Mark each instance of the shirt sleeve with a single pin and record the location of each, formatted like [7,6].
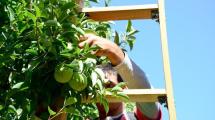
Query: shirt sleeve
[136,79]
[132,74]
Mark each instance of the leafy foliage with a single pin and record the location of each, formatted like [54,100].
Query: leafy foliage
[35,37]
[126,38]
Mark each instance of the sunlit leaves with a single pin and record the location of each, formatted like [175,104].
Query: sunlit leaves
[36,36]
[11,14]
[31,16]
[37,10]
[116,38]
[51,112]
[126,38]
[130,32]
[107,2]
[70,101]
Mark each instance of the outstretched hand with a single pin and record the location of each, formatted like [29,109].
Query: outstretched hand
[108,48]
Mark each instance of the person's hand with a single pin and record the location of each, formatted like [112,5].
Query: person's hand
[108,48]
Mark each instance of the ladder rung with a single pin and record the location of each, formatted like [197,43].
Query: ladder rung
[121,12]
[140,95]
[137,95]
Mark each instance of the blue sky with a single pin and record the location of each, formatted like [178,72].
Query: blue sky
[191,37]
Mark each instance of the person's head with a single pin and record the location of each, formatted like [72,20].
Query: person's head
[113,78]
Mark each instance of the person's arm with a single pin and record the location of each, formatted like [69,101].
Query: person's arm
[137,79]
[127,69]
[132,74]
[107,48]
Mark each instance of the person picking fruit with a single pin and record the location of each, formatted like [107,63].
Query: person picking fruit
[122,69]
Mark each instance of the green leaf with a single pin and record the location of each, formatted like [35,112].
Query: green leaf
[105,104]
[77,65]
[86,47]
[90,61]
[100,73]
[18,85]
[99,84]
[131,43]
[116,38]
[129,26]
[3,36]
[77,51]
[67,55]
[23,2]
[131,38]
[70,101]
[68,34]
[68,5]
[81,65]
[11,14]
[72,65]
[1,107]
[31,16]
[38,12]
[72,110]
[96,1]
[19,111]
[52,23]
[52,50]
[85,22]
[116,89]
[32,52]
[51,112]
[107,2]
[13,56]
[78,29]
[122,96]
[11,109]
[132,32]
[94,77]
[32,65]
[121,84]
[89,31]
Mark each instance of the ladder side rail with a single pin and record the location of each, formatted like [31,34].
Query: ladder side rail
[166,62]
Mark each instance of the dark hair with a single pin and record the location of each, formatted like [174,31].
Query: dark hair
[119,78]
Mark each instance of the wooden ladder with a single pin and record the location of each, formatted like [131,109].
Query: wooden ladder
[148,11]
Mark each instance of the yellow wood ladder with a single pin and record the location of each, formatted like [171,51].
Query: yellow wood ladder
[148,11]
